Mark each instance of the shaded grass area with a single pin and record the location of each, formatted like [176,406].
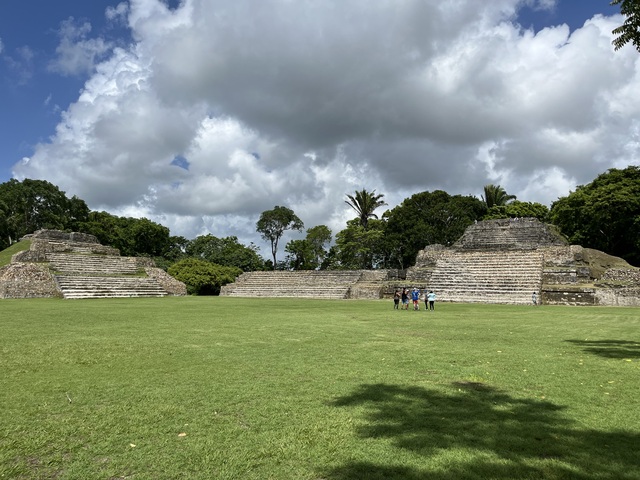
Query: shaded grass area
[210,387]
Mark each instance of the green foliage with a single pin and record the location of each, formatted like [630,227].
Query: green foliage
[604,214]
[134,237]
[518,209]
[495,195]
[365,203]
[358,247]
[202,277]
[427,218]
[629,31]
[308,254]
[225,251]
[273,223]
[31,205]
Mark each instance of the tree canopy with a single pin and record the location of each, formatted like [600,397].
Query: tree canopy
[428,218]
[629,31]
[202,277]
[604,214]
[31,205]
[310,252]
[225,251]
[273,223]
[518,209]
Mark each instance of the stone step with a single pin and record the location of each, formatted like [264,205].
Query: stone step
[77,286]
[73,263]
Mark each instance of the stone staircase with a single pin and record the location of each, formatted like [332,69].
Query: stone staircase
[94,264]
[81,286]
[326,284]
[81,275]
[482,276]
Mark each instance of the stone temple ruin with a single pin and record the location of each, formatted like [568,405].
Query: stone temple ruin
[495,261]
[76,265]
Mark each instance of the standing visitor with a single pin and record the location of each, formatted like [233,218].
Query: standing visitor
[534,298]
[426,300]
[396,299]
[432,299]
[405,299]
[415,296]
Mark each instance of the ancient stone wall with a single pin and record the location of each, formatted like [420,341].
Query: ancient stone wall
[58,235]
[166,281]
[27,280]
[510,234]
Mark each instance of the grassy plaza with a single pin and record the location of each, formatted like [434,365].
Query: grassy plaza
[251,388]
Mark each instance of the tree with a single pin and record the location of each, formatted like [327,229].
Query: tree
[427,218]
[132,236]
[496,195]
[225,251]
[604,214]
[202,277]
[365,203]
[629,31]
[31,205]
[309,253]
[273,223]
[358,247]
[518,209]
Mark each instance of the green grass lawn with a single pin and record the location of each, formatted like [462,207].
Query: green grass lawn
[224,388]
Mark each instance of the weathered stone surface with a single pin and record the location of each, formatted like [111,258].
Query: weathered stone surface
[75,265]
[510,234]
[170,284]
[75,237]
[27,280]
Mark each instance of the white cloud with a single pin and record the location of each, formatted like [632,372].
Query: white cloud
[118,13]
[299,103]
[76,54]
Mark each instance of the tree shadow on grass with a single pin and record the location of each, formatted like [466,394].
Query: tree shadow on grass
[609,348]
[502,437]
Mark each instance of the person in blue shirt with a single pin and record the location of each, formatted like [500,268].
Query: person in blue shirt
[415,296]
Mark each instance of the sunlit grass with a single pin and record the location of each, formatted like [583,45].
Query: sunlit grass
[6,254]
[209,387]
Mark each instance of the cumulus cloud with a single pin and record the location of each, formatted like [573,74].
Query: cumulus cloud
[298,103]
[76,54]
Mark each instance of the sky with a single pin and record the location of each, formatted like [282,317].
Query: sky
[201,114]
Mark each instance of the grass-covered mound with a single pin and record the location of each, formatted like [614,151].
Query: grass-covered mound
[230,388]
[7,253]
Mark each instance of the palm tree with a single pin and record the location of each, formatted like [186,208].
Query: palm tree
[365,203]
[496,195]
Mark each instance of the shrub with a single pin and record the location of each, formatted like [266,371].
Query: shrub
[202,277]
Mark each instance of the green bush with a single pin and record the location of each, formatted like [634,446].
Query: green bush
[202,277]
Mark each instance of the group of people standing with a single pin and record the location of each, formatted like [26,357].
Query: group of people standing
[404,294]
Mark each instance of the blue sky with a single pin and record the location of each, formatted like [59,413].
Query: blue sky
[200,114]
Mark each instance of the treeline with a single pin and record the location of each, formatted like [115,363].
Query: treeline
[604,214]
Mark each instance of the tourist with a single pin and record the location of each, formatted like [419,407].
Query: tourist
[405,299]
[534,298]
[432,299]
[426,300]
[415,296]
[396,299]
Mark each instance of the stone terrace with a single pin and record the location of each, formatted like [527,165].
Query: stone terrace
[82,268]
[481,276]
[328,284]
